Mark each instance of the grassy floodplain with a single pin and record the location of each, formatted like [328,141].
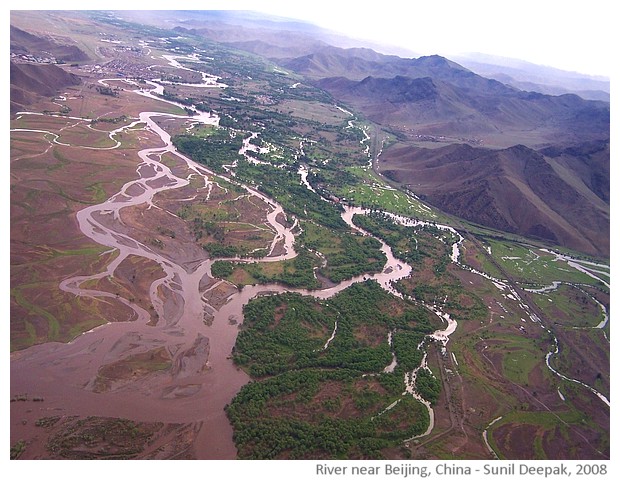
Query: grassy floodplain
[531,265]
[369,191]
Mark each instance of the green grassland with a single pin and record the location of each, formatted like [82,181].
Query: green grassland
[548,426]
[367,190]
[531,265]
[570,307]
[40,312]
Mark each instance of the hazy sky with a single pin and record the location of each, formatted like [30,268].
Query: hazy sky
[567,34]
[572,35]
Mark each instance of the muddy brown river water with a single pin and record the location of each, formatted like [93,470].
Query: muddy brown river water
[203,379]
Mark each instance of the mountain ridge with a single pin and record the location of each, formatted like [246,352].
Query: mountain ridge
[434,106]
[529,76]
[516,189]
[25,43]
[31,81]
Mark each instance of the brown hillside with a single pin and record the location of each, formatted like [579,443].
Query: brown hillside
[30,81]
[23,42]
[516,190]
[464,105]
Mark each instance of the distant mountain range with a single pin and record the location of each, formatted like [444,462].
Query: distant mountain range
[282,38]
[450,101]
[505,155]
[528,76]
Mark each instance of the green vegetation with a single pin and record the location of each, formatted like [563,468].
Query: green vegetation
[110,120]
[225,225]
[52,325]
[546,427]
[570,306]
[217,250]
[361,340]
[346,255]
[215,151]
[17,449]
[284,186]
[101,438]
[104,90]
[428,385]
[99,194]
[187,101]
[272,426]
[304,381]
[426,248]
[518,364]
[222,269]
[342,255]
[41,312]
[296,273]
[361,186]
[533,266]
[134,366]
[409,243]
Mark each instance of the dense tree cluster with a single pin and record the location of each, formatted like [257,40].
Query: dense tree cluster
[346,255]
[316,397]
[214,151]
[428,385]
[403,240]
[296,273]
[109,91]
[285,187]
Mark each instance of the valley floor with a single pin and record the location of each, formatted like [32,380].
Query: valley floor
[218,279]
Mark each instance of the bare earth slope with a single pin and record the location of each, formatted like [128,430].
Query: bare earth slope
[30,81]
[23,42]
[483,108]
[516,189]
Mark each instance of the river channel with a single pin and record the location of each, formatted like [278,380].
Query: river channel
[203,377]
